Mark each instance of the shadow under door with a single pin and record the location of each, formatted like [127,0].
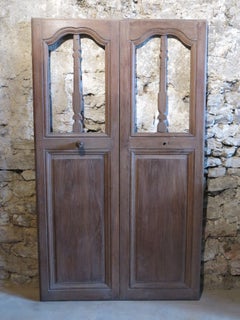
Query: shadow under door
[119,131]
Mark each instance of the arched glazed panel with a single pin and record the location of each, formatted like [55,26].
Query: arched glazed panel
[76,76]
[162,85]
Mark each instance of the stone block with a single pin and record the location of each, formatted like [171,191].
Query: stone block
[233,162]
[214,101]
[8,176]
[228,195]
[213,208]
[235,267]
[30,236]
[233,97]
[21,206]
[223,133]
[214,144]
[228,152]
[10,234]
[232,251]
[20,279]
[213,281]
[25,250]
[225,118]
[24,188]
[221,228]
[26,220]
[210,121]
[21,159]
[4,218]
[216,172]
[222,183]
[213,162]
[210,249]
[232,141]
[216,266]
[23,266]
[28,175]
[5,194]
[231,209]
[234,172]
[3,274]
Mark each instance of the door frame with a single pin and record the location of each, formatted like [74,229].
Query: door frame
[52,148]
[137,147]
[122,145]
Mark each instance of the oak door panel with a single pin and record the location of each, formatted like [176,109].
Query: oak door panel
[78,219]
[158,219]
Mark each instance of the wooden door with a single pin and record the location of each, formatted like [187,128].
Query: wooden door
[120,214]
[161,167]
[77,169]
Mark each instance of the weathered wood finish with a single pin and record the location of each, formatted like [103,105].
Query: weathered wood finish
[120,213]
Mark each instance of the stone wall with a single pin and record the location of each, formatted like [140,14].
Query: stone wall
[18,232]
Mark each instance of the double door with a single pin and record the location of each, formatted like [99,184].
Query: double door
[119,127]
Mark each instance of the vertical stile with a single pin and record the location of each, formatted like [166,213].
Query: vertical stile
[78,125]
[162,95]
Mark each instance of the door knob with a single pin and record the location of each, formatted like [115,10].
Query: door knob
[80,145]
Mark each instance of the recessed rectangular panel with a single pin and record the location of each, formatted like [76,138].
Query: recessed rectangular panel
[158,220]
[77,223]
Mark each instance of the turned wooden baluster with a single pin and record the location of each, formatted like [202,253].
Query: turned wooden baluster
[78,118]
[162,95]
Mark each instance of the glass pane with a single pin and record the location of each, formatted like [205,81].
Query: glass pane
[91,70]
[93,78]
[61,85]
[178,83]
[147,85]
